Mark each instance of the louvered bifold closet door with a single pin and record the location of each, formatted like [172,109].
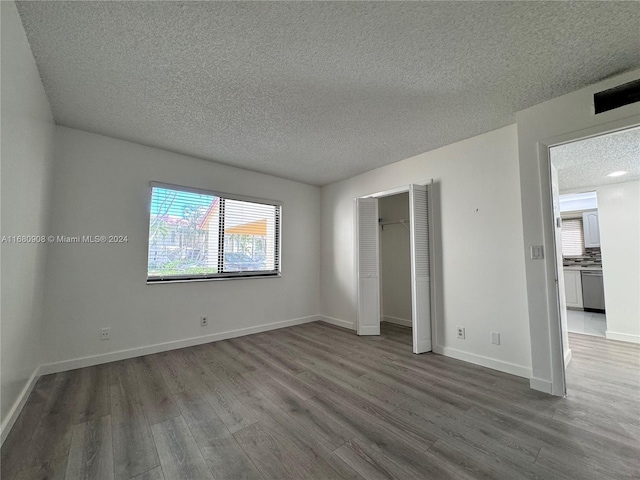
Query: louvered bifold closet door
[420,268]
[368,259]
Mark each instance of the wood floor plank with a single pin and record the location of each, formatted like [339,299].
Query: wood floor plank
[574,465]
[368,411]
[316,459]
[230,410]
[275,461]
[154,392]
[559,436]
[290,382]
[19,438]
[134,450]
[287,363]
[609,424]
[363,393]
[473,466]
[179,454]
[92,397]
[154,474]
[52,437]
[225,369]
[373,467]
[329,431]
[464,436]
[54,469]
[306,351]
[404,464]
[175,371]
[219,448]
[398,435]
[91,453]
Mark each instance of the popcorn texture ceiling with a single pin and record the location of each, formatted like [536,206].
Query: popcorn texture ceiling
[317,91]
[587,163]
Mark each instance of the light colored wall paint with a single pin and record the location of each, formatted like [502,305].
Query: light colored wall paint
[101,187]
[619,218]
[395,256]
[27,155]
[482,266]
[562,119]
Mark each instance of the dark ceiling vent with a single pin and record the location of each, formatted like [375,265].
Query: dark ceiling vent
[617,97]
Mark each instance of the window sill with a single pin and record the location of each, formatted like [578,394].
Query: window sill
[212,279]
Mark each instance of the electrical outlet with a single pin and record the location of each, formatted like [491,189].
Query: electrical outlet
[105,333]
[204,321]
[460,332]
[495,338]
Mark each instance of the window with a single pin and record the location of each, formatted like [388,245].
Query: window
[202,235]
[572,237]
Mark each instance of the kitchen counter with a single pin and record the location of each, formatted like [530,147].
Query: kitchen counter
[597,268]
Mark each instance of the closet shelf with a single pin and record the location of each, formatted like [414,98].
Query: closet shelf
[402,221]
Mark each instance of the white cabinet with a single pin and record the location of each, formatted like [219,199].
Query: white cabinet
[591,228]
[573,288]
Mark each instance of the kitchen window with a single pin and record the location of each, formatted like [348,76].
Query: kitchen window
[572,237]
[204,235]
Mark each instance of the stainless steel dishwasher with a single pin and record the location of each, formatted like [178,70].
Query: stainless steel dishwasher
[592,291]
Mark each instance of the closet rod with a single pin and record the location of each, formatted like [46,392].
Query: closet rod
[402,221]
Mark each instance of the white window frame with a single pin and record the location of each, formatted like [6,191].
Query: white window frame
[277,273]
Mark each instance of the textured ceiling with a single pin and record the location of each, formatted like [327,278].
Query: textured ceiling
[587,163]
[317,91]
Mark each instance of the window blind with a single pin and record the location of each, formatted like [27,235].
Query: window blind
[199,235]
[572,237]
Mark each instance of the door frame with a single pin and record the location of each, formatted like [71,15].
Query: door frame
[433,306]
[558,377]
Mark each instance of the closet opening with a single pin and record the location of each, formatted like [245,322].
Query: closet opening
[395,265]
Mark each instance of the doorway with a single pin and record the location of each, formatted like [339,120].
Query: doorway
[368,262]
[595,191]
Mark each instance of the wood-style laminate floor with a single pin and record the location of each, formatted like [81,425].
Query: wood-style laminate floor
[317,402]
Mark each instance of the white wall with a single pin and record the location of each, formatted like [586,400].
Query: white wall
[482,265]
[27,153]
[562,119]
[101,187]
[395,260]
[619,217]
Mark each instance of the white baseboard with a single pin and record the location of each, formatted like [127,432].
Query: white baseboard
[398,321]
[541,385]
[338,322]
[488,362]
[13,414]
[163,347]
[622,337]
[567,357]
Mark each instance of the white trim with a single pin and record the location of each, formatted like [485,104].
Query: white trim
[388,193]
[18,405]
[337,322]
[396,190]
[163,347]
[398,321]
[622,337]
[567,357]
[540,385]
[488,362]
